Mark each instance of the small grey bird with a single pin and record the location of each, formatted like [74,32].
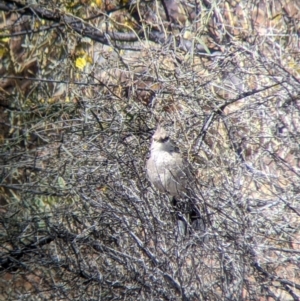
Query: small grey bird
[170,173]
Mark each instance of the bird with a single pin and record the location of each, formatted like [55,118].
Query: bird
[170,173]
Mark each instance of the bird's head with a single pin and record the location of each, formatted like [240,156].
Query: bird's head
[161,141]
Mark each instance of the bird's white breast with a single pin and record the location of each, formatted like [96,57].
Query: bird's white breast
[167,172]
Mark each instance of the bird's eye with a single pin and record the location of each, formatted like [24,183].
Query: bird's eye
[164,139]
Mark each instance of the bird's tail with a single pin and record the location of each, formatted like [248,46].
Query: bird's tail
[189,218]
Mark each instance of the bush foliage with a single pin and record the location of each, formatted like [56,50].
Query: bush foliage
[84,84]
